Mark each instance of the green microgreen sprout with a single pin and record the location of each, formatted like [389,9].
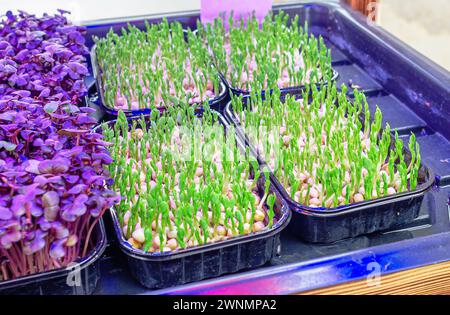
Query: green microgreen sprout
[279,53]
[159,66]
[330,151]
[178,191]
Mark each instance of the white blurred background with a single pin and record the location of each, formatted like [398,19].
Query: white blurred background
[423,24]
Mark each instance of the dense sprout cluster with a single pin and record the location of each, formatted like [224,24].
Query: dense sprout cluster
[327,151]
[160,66]
[175,198]
[278,53]
[51,165]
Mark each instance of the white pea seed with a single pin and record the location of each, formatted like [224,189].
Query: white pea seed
[314,193]
[139,133]
[297,196]
[125,229]
[139,236]
[172,203]
[344,191]
[397,184]
[391,191]
[156,242]
[172,244]
[301,142]
[329,202]
[126,217]
[347,177]
[259,215]
[222,218]
[374,193]
[358,197]
[172,233]
[134,243]
[257,199]
[247,228]
[314,202]
[166,249]
[221,230]
[199,171]
[364,172]
[258,226]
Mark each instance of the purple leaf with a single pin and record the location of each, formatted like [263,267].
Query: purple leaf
[57,250]
[77,189]
[56,166]
[50,202]
[5,213]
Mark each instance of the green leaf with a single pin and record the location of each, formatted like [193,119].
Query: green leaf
[51,107]
[8,146]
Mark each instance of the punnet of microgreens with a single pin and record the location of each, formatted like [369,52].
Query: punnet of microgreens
[183,183]
[327,151]
[278,53]
[159,66]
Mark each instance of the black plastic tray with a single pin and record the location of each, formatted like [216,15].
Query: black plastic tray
[162,270]
[215,103]
[79,278]
[413,94]
[320,225]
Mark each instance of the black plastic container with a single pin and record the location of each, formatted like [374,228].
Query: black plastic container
[284,91]
[162,270]
[321,225]
[216,103]
[79,278]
